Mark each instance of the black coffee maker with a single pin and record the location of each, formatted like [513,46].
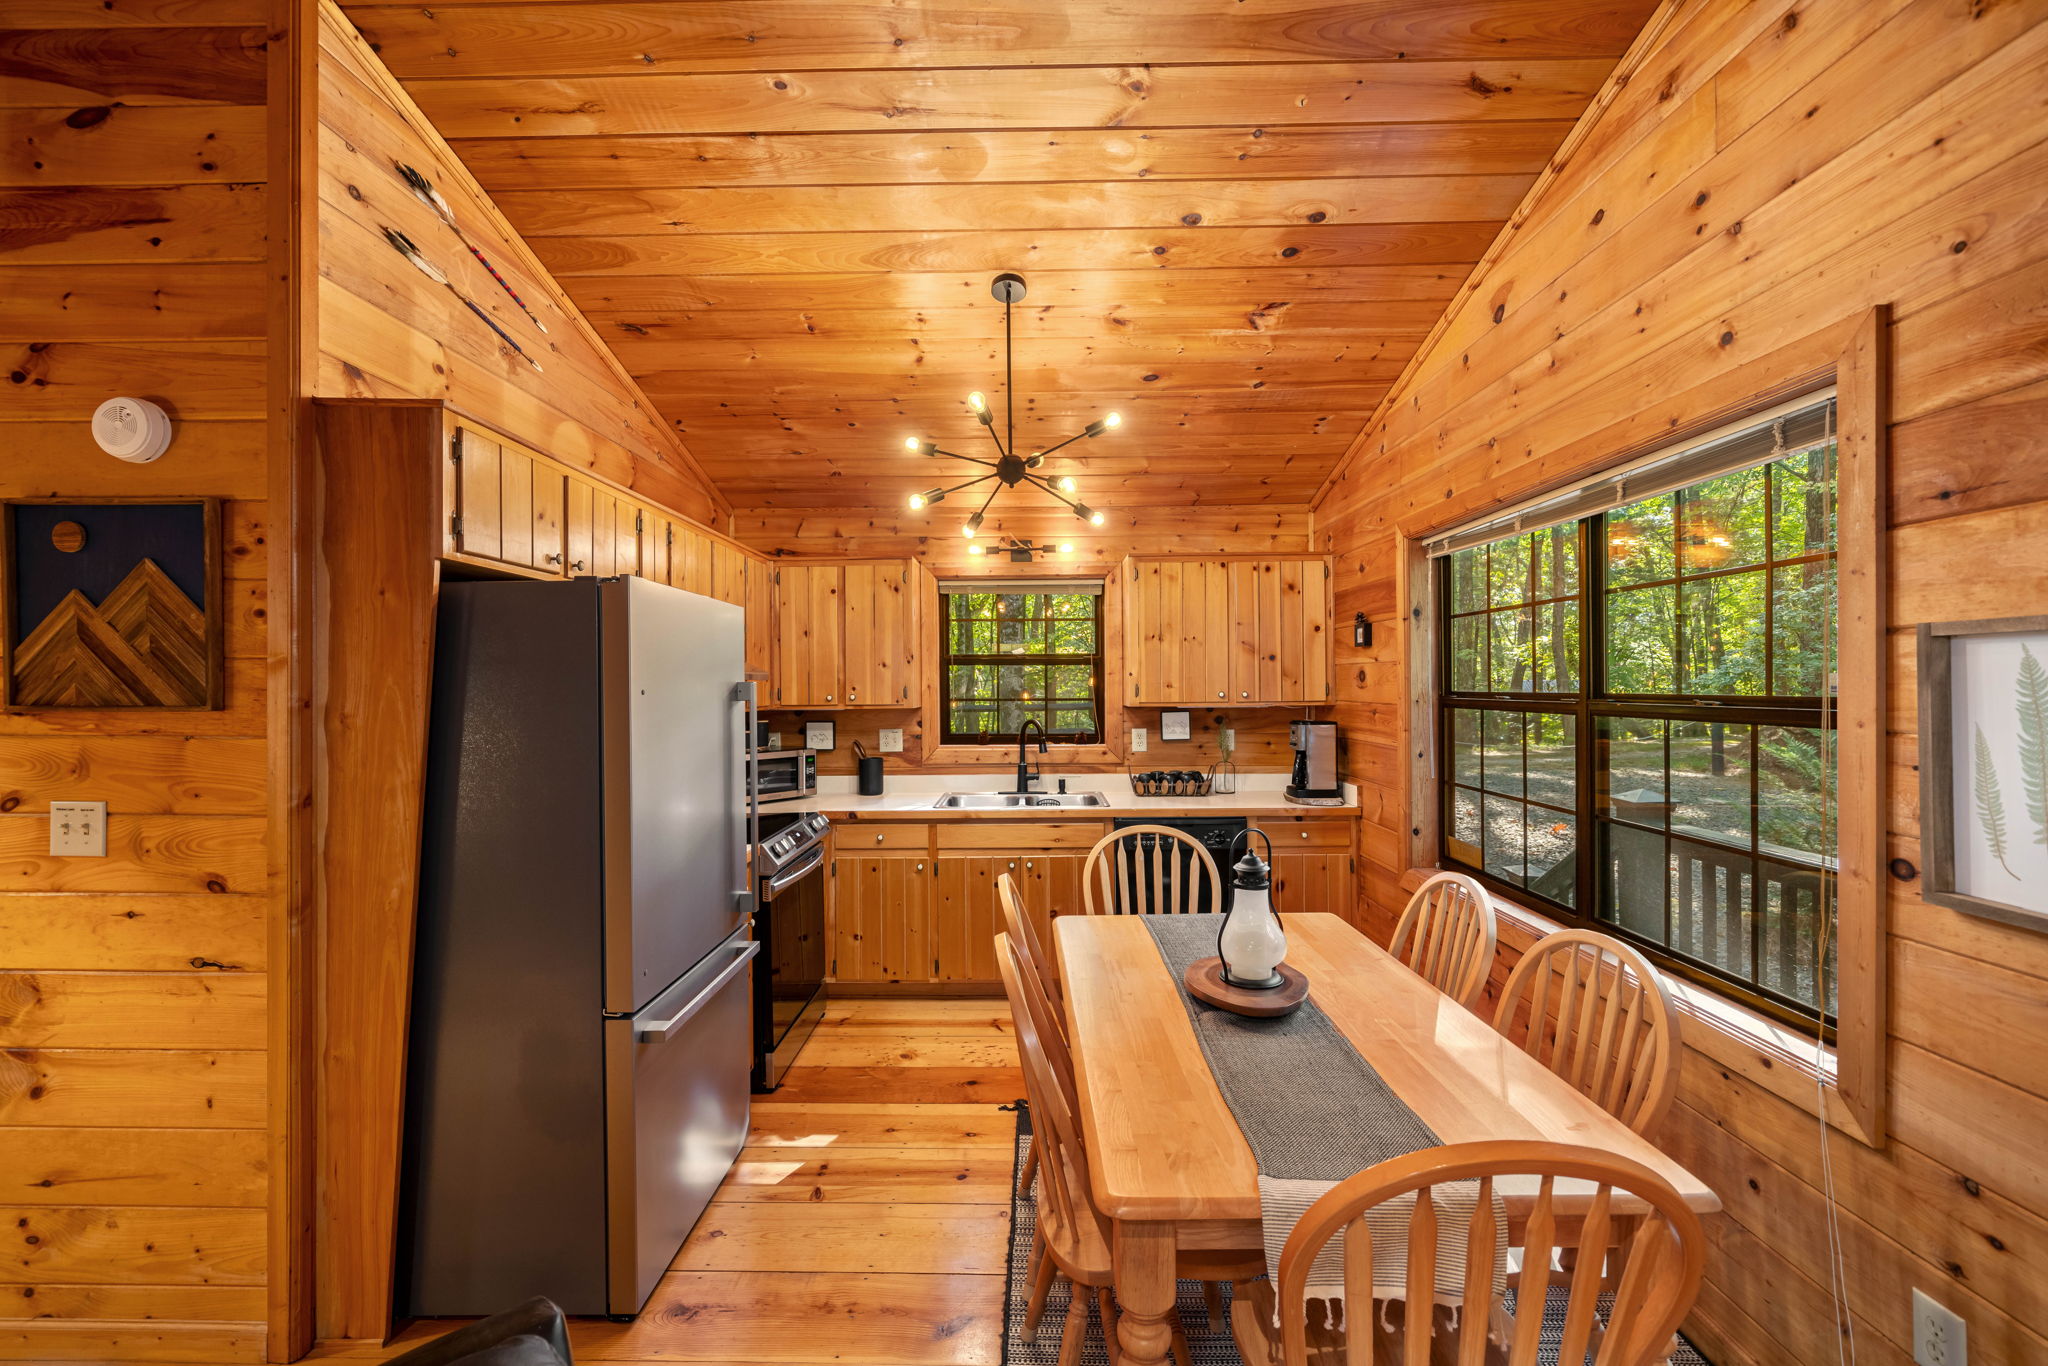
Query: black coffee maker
[1315,764]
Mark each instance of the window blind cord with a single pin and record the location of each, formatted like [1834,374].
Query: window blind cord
[1838,1266]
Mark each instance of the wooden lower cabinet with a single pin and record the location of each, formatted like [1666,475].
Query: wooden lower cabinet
[1313,880]
[882,918]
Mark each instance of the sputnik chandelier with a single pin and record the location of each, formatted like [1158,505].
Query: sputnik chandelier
[1008,468]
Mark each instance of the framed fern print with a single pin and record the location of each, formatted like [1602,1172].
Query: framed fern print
[1984,767]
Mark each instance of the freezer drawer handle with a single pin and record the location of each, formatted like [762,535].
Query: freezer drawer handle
[656,1032]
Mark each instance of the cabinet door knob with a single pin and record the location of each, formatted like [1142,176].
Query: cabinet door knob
[1013,865]
[1245,693]
[878,839]
[1304,834]
[1027,863]
[828,697]
[920,867]
[552,558]
[575,564]
[1220,692]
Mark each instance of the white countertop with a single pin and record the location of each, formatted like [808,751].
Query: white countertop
[915,793]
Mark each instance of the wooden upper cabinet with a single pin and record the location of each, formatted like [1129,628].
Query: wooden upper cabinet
[846,635]
[507,503]
[808,666]
[758,592]
[1236,632]
[880,635]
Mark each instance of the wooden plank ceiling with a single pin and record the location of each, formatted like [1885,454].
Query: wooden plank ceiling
[1237,218]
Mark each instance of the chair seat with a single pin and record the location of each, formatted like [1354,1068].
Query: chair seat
[1258,1340]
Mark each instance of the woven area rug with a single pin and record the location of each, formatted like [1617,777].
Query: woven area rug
[1207,1348]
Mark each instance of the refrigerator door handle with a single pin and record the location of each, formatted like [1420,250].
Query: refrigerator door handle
[749,694]
[658,1030]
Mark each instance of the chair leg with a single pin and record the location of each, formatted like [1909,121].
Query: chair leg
[1179,1347]
[1030,1170]
[1076,1329]
[1105,1309]
[1041,1285]
[1212,1295]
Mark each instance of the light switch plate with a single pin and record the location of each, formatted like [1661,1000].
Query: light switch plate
[1173,725]
[1137,739]
[818,735]
[78,829]
[889,741]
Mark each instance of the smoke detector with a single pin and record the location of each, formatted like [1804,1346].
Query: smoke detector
[132,429]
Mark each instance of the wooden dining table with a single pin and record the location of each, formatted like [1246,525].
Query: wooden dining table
[1167,1162]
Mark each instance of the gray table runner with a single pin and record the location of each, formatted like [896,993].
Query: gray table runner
[1314,1112]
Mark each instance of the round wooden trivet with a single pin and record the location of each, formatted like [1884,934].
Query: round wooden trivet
[68,537]
[1204,981]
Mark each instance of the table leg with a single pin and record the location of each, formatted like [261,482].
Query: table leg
[1144,1291]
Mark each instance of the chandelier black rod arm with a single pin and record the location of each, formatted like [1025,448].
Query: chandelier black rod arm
[979,479]
[1009,377]
[1037,481]
[1068,442]
[990,428]
[970,459]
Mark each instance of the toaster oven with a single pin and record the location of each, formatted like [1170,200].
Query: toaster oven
[787,774]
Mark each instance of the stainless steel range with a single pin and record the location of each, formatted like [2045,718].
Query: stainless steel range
[789,923]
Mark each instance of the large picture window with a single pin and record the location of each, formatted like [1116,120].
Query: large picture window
[1637,715]
[1018,656]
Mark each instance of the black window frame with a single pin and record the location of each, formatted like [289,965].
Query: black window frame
[1589,704]
[949,658]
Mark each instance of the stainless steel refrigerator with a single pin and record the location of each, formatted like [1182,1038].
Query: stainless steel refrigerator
[581,1036]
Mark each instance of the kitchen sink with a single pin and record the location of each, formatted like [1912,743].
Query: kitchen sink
[1006,801]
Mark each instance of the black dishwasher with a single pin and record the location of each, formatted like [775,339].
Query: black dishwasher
[1215,833]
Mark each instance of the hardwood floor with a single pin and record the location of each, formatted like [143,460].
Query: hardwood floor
[867,1220]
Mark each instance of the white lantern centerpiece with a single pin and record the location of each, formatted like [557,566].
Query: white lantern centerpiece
[1251,942]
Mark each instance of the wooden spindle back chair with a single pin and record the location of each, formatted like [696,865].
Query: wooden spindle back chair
[1666,1258]
[1074,1238]
[1596,1012]
[1448,936]
[1149,869]
[1024,939]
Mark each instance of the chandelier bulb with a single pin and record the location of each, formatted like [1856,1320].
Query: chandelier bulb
[977,402]
[1067,484]
[1096,519]
[911,443]
[974,549]
[972,527]
[1113,420]
[916,502]
[1066,547]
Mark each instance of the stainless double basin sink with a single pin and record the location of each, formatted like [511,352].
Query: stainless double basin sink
[1010,801]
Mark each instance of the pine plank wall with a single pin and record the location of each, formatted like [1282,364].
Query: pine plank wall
[1770,172]
[134,1109]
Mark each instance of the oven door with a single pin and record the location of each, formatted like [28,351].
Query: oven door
[789,976]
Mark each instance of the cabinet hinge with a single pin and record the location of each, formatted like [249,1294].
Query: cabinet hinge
[639,522]
[455,446]
[455,526]
[935,967]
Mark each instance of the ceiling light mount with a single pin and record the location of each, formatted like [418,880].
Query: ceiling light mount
[1009,469]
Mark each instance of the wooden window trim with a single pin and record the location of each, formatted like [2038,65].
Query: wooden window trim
[1855,357]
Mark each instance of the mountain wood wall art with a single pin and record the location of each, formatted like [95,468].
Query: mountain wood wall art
[113,603]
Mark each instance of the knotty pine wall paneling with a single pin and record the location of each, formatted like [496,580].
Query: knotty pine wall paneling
[1768,175]
[140,993]
[388,331]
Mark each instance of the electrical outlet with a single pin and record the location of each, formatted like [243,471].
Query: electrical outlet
[1173,725]
[1940,1337]
[889,741]
[78,829]
[1137,739]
